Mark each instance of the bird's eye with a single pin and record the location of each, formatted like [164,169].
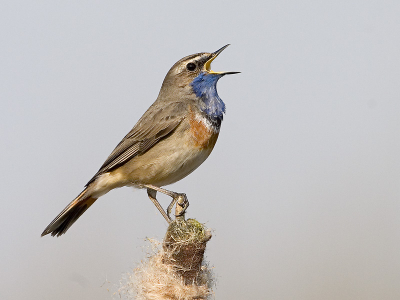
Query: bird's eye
[191,66]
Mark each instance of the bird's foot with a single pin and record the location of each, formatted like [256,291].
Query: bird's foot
[177,198]
[182,203]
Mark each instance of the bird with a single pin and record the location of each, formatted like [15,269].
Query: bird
[173,137]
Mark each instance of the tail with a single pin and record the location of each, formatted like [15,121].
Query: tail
[69,215]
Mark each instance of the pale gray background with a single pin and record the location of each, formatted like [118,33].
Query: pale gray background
[302,189]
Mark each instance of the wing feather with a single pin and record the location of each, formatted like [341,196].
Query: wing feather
[156,124]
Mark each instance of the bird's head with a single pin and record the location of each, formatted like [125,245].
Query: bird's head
[191,66]
[192,76]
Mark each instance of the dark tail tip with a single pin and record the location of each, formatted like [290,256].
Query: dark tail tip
[68,216]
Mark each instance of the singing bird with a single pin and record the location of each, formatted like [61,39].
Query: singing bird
[173,137]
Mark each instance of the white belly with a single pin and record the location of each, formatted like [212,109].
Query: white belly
[166,162]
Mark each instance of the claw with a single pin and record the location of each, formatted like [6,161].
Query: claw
[184,204]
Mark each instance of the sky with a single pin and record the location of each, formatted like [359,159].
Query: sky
[302,191]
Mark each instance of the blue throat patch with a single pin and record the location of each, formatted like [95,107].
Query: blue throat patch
[205,87]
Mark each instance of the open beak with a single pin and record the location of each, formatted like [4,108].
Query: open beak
[213,56]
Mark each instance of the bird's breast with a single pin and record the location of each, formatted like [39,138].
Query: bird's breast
[175,157]
[203,132]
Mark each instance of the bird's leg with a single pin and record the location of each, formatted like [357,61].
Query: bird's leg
[175,197]
[152,195]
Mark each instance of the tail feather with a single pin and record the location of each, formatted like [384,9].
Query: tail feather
[69,215]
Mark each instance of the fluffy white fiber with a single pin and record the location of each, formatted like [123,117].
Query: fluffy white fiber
[155,280]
